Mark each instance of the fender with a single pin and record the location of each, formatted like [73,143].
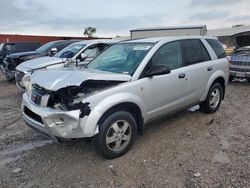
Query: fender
[89,124]
[214,76]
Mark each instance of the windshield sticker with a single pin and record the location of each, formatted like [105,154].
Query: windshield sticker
[142,47]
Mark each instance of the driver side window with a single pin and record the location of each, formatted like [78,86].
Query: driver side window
[169,55]
[92,51]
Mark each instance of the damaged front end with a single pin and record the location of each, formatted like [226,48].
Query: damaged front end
[70,98]
[59,105]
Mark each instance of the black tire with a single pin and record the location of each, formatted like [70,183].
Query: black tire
[206,106]
[106,126]
[230,78]
[248,80]
[9,79]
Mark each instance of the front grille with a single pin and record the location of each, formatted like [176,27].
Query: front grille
[239,69]
[32,115]
[19,76]
[241,63]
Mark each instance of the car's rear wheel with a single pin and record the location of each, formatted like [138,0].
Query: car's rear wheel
[117,133]
[248,80]
[213,100]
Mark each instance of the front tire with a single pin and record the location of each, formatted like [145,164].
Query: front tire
[213,100]
[117,134]
[230,79]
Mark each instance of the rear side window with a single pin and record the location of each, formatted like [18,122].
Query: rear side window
[60,46]
[195,51]
[217,47]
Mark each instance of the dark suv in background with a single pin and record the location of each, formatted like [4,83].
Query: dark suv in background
[49,49]
[14,47]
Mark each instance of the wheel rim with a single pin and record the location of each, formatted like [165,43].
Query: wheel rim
[214,98]
[118,135]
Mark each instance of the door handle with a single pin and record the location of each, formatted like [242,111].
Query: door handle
[209,68]
[181,76]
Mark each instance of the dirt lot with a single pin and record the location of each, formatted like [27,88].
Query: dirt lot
[191,149]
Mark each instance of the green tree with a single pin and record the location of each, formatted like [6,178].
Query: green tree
[89,31]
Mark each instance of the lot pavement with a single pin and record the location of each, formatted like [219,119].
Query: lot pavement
[190,149]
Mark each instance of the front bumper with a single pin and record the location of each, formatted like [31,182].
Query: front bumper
[10,75]
[51,122]
[239,74]
[239,71]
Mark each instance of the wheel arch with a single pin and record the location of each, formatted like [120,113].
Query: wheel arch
[216,77]
[130,107]
[125,101]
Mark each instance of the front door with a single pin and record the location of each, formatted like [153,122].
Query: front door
[167,93]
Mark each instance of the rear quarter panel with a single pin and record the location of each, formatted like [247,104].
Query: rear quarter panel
[221,69]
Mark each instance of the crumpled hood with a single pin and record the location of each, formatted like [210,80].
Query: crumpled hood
[41,62]
[55,79]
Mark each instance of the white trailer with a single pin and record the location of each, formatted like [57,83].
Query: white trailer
[168,31]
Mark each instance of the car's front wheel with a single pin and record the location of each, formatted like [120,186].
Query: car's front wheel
[230,78]
[117,134]
[213,100]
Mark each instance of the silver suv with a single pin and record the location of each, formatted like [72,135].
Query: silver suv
[129,84]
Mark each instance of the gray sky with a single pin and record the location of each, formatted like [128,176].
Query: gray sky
[116,17]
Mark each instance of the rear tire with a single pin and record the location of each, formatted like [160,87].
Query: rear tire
[116,135]
[248,80]
[213,100]
[230,78]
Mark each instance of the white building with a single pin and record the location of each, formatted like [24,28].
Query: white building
[168,31]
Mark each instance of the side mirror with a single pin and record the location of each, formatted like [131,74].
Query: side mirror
[156,70]
[53,51]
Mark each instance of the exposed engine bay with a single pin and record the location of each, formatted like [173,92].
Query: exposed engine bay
[69,98]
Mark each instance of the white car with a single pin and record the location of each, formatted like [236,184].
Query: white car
[128,85]
[77,53]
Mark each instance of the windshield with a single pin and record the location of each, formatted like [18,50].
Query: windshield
[121,58]
[70,51]
[46,47]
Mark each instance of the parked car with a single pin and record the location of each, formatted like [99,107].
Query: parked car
[49,49]
[77,53]
[240,63]
[125,87]
[14,47]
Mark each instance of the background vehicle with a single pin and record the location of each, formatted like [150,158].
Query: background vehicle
[240,63]
[128,85]
[49,49]
[78,53]
[14,47]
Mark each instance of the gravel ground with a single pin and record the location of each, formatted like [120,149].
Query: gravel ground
[190,149]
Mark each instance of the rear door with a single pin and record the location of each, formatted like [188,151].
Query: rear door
[199,67]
